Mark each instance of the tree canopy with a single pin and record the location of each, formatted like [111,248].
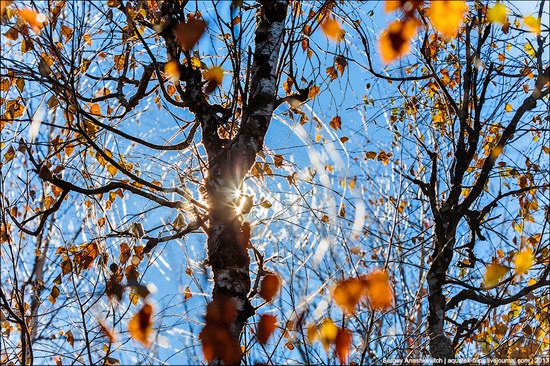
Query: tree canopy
[274,181]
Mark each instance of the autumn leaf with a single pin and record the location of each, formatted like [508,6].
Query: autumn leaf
[327,333]
[348,293]
[67,32]
[266,327]
[187,294]
[524,261]
[313,92]
[33,18]
[216,337]
[188,34]
[343,345]
[141,325]
[533,24]
[508,108]
[106,331]
[331,28]
[214,78]
[379,291]
[395,41]
[498,14]
[493,274]
[335,123]
[447,16]
[70,337]
[278,161]
[172,69]
[269,287]
[54,294]
[9,154]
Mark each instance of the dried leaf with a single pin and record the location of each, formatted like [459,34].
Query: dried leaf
[141,325]
[270,285]
[188,34]
[343,345]
[336,123]
[266,327]
[395,41]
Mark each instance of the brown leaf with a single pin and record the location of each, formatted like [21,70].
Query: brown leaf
[188,34]
[141,325]
[336,123]
[343,344]
[266,327]
[270,285]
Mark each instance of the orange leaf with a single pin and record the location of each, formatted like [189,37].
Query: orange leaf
[348,293]
[266,327]
[141,325]
[188,34]
[447,16]
[336,123]
[34,19]
[379,291]
[270,285]
[332,30]
[395,41]
[343,344]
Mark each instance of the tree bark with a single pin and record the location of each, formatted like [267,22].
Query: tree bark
[440,344]
[229,161]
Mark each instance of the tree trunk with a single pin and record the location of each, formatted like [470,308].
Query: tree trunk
[229,161]
[440,344]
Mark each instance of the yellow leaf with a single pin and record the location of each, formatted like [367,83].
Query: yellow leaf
[311,333]
[172,69]
[508,108]
[141,325]
[447,16]
[9,155]
[215,74]
[493,274]
[533,24]
[529,49]
[524,261]
[327,333]
[498,13]
[112,169]
[332,29]
[88,39]
[379,291]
